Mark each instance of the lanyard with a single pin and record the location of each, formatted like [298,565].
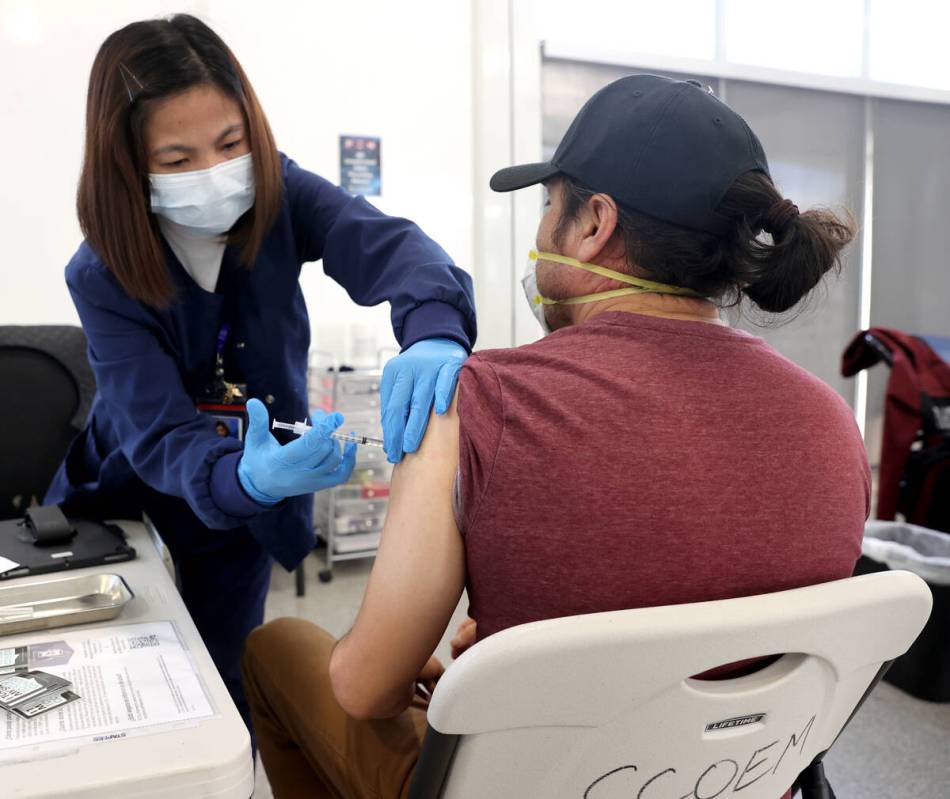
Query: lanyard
[222,340]
[230,393]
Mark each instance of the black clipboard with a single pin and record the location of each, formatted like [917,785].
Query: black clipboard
[46,541]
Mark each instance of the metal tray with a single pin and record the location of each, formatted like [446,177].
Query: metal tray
[58,603]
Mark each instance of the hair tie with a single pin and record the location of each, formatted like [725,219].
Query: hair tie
[778,217]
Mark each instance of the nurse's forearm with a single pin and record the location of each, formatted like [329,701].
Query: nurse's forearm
[435,319]
[379,258]
[226,491]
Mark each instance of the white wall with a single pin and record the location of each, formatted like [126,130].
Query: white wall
[401,71]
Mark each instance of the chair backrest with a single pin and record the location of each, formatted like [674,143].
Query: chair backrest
[47,391]
[603,706]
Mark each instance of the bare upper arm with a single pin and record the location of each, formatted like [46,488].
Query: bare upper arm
[415,583]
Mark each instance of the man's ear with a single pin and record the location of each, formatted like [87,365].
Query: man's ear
[598,220]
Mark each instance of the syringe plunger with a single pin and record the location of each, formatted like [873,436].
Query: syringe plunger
[297,428]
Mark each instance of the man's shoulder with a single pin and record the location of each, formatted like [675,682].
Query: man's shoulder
[552,345]
[804,390]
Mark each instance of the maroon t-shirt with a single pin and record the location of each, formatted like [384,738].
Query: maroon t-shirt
[635,461]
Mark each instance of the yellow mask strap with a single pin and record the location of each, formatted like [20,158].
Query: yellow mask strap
[642,286]
[602,295]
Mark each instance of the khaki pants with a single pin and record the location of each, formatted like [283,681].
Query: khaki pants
[310,747]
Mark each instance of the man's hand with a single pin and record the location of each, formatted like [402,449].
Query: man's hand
[428,677]
[464,637]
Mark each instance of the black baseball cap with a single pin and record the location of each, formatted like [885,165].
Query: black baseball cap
[667,148]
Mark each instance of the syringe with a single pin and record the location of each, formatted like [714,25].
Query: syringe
[299,428]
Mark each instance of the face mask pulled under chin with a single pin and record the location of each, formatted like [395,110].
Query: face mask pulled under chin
[206,202]
[530,285]
[635,285]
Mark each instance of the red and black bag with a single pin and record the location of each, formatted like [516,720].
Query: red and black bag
[924,497]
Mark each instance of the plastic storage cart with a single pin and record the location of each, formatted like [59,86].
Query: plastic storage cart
[350,517]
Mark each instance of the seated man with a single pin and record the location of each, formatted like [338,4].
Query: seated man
[641,454]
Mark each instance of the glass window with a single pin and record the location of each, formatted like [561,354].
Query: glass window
[683,28]
[910,281]
[908,42]
[817,36]
[815,145]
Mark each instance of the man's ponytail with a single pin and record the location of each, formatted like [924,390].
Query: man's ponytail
[778,272]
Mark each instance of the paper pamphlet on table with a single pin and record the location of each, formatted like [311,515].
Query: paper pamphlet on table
[131,679]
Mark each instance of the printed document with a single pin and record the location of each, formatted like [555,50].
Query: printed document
[132,679]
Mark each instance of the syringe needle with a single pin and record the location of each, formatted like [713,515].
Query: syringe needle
[302,427]
[367,441]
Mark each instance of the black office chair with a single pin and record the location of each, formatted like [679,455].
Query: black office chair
[46,391]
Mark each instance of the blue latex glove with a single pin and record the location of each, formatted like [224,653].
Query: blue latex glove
[428,371]
[270,472]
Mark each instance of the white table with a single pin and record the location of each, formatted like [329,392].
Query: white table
[210,758]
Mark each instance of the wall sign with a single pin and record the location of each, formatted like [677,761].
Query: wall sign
[360,165]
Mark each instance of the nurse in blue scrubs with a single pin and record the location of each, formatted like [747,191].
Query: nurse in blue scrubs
[196,228]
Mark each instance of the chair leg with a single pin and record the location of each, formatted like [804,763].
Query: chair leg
[814,784]
[301,579]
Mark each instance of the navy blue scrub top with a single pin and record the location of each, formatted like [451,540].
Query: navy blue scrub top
[145,447]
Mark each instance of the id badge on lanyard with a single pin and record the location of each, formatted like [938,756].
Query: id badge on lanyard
[225,403]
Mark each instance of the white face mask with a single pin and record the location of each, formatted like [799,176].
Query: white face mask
[530,284]
[635,285]
[206,202]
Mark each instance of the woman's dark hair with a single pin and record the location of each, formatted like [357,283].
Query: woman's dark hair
[775,274]
[136,66]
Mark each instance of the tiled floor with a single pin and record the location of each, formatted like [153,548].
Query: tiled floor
[896,748]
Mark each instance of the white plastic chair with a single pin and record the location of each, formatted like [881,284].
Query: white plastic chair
[602,706]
